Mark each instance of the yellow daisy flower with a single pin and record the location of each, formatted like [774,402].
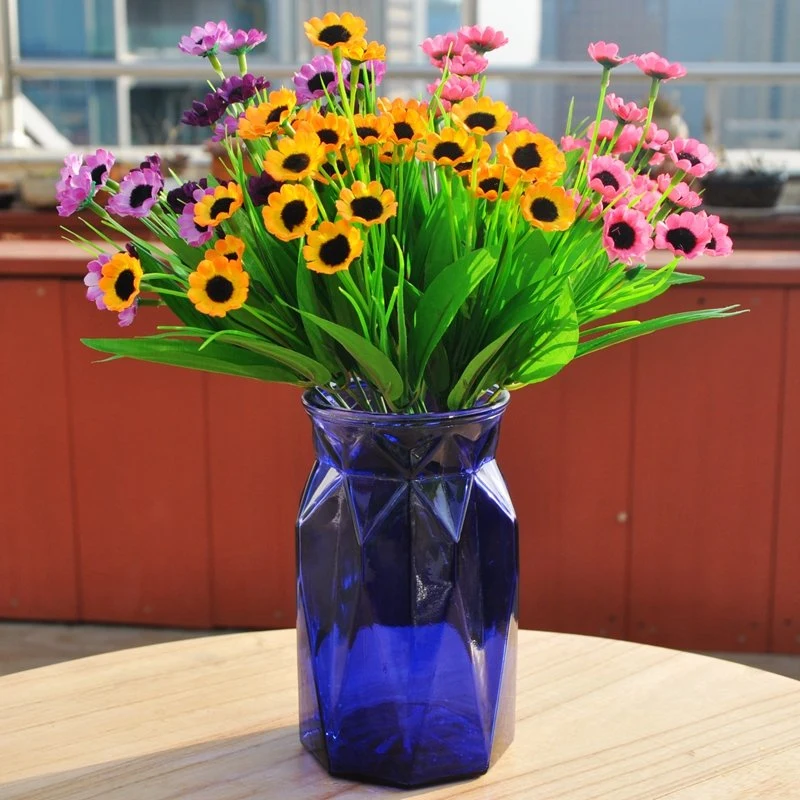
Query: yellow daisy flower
[481,156]
[450,147]
[295,158]
[119,281]
[372,128]
[405,152]
[218,285]
[332,247]
[232,247]
[265,118]
[360,50]
[407,125]
[387,105]
[534,156]
[482,116]
[290,212]
[493,181]
[333,130]
[369,203]
[548,207]
[338,168]
[333,30]
[218,206]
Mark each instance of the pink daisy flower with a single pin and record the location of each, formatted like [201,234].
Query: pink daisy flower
[437,48]
[681,194]
[656,138]
[658,67]
[685,234]
[138,193]
[455,88]
[481,39]
[692,156]
[608,176]
[585,208]
[625,112]
[74,190]
[720,243]
[607,54]
[627,235]
[627,140]
[571,143]
[519,123]
[466,63]
[605,132]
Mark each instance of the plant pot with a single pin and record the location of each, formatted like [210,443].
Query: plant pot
[743,190]
[407,562]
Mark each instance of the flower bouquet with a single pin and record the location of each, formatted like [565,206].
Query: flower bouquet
[407,262]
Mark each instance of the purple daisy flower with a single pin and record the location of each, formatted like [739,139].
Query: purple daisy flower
[74,190]
[100,163]
[190,231]
[240,88]
[260,187]
[206,112]
[152,162]
[183,194]
[242,41]
[229,126]
[206,40]
[72,165]
[313,78]
[95,294]
[137,194]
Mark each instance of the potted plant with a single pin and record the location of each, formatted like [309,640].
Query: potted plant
[409,274]
[750,185]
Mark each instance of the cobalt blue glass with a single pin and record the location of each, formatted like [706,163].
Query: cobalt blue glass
[407,572]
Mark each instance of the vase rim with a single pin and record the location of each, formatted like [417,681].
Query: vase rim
[315,408]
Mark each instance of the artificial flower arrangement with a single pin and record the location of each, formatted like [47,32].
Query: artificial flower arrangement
[400,255]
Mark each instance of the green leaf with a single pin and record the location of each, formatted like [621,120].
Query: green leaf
[551,344]
[218,358]
[308,302]
[632,331]
[440,303]
[466,386]
[375,364]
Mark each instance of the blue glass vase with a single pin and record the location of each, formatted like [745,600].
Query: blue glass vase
[407,562]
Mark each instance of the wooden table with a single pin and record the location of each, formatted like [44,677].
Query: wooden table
[215,719]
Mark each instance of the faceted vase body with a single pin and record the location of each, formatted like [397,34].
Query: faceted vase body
[407,572]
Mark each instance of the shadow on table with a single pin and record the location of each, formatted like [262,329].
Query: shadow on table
[267,764]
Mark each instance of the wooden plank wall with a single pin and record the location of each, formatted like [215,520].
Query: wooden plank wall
[645,477]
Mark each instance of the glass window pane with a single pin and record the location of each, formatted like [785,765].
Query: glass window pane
[66,29]
[156,26]
[156,113]
[83,111]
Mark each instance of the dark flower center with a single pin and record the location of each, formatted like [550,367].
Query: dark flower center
[334,34]
[527,156]
[712,245]
[367,208]
[221,206]
[140,194]
[232,256]
[275,114]
[294,213]
[480,119]
[690,157]
[335,252]
[366,131]
[124,285]
[623,235]
[296,162]
[321,81]
[490,184]
[682,239]
[451,150]
[402,130]
[219,289]
[328,136]
[608,179]
[544,210]
[98,172]
[201,228]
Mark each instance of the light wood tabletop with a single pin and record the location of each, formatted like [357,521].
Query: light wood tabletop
[215,718]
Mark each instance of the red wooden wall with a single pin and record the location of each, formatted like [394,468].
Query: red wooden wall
[656,482]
